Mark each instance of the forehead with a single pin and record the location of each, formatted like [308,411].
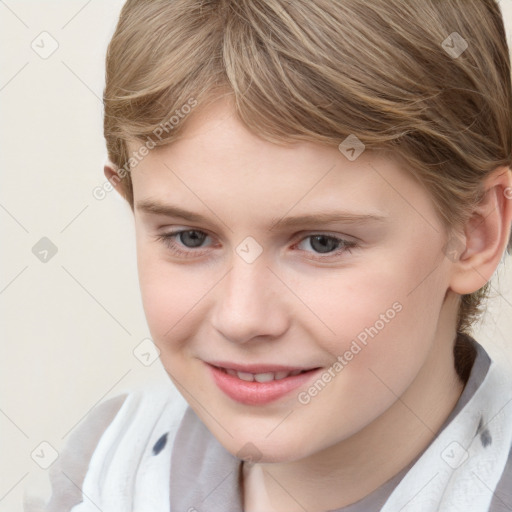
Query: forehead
[217,158]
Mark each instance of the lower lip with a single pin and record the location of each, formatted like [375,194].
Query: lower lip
[257,393]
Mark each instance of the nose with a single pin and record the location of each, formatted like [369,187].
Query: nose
[250,303]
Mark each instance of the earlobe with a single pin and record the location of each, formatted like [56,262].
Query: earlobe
[486,235]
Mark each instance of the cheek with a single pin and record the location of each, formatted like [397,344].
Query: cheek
[385,326]
[175,298]
[171,295]
[381,315]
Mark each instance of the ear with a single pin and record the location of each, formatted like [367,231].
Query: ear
[486,235]
[112,175]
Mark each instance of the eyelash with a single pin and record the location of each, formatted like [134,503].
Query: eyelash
[168,239]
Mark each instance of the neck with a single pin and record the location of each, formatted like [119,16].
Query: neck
[350,470]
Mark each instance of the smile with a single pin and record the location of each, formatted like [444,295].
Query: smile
[259,387]
[261,377]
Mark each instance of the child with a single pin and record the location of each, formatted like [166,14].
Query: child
[332,376]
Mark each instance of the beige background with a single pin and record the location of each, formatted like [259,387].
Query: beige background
[70,325]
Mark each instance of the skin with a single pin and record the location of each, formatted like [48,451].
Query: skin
[292,307]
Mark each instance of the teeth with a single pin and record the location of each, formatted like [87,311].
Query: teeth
[245,376]
[262,377]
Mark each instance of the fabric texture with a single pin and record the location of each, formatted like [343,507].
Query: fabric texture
[124,473]
[68,472]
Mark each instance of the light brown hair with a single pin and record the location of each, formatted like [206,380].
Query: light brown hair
[321,70]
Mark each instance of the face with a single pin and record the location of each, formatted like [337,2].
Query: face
[352,297]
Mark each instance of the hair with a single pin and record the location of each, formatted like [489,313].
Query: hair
[320,71]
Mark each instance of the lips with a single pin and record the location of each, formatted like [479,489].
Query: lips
[258,384]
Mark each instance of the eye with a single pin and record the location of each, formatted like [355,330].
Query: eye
[326,244]
[191,239]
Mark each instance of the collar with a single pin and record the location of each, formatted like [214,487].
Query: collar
[205,477]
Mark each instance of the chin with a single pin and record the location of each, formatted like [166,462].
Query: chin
[258,449]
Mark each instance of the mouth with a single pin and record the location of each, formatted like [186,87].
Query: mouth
[265,376]
[261,385]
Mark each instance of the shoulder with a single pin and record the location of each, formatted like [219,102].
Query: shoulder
[128,417]
[68,471]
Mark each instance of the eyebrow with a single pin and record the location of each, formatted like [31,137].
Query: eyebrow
[325,217]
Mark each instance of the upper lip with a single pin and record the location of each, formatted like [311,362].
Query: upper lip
[258,368]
